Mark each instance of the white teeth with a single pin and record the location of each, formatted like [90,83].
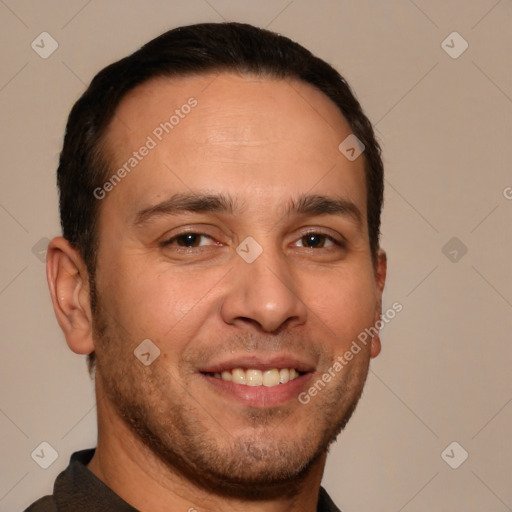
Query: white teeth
[238,376]
[271,378]
[254,377]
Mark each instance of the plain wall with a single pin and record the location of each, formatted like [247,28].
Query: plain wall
[444,124]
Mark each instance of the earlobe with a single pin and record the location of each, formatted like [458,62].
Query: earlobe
[375,346]
[69,289]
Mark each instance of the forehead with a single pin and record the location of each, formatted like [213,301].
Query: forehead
[256,102]
[230,133]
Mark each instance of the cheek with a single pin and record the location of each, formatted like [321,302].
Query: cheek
[344,303]
[156,301]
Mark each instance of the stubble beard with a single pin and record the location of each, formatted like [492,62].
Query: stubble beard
[197,446]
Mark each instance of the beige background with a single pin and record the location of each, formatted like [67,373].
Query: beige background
[445,125]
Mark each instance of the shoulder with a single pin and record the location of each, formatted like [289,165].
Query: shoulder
[45,504]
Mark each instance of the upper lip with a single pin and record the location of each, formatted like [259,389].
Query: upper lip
[259,362]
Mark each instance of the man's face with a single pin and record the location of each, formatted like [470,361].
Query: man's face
[182,273]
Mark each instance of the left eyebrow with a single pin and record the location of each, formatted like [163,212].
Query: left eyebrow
[195,203]
[314,204]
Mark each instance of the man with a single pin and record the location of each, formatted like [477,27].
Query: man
[220,197]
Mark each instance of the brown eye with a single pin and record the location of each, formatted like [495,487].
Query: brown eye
[318,241]
[188,240]
[314,240]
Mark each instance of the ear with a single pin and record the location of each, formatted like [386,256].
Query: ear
[68,281]
[380,281]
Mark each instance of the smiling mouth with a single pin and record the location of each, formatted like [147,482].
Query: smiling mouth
[254,377]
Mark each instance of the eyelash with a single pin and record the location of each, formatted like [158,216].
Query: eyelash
[339,243]
[168,242]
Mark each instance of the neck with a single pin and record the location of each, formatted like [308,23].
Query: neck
[128,467]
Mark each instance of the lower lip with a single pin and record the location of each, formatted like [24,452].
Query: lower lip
[261,396]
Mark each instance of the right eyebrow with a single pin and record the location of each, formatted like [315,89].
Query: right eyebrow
[315,204]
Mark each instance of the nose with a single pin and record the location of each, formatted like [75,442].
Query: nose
[263,293]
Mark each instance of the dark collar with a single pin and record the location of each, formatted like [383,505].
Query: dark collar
[77,489]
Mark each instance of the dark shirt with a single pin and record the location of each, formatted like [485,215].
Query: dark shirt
[77,489]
